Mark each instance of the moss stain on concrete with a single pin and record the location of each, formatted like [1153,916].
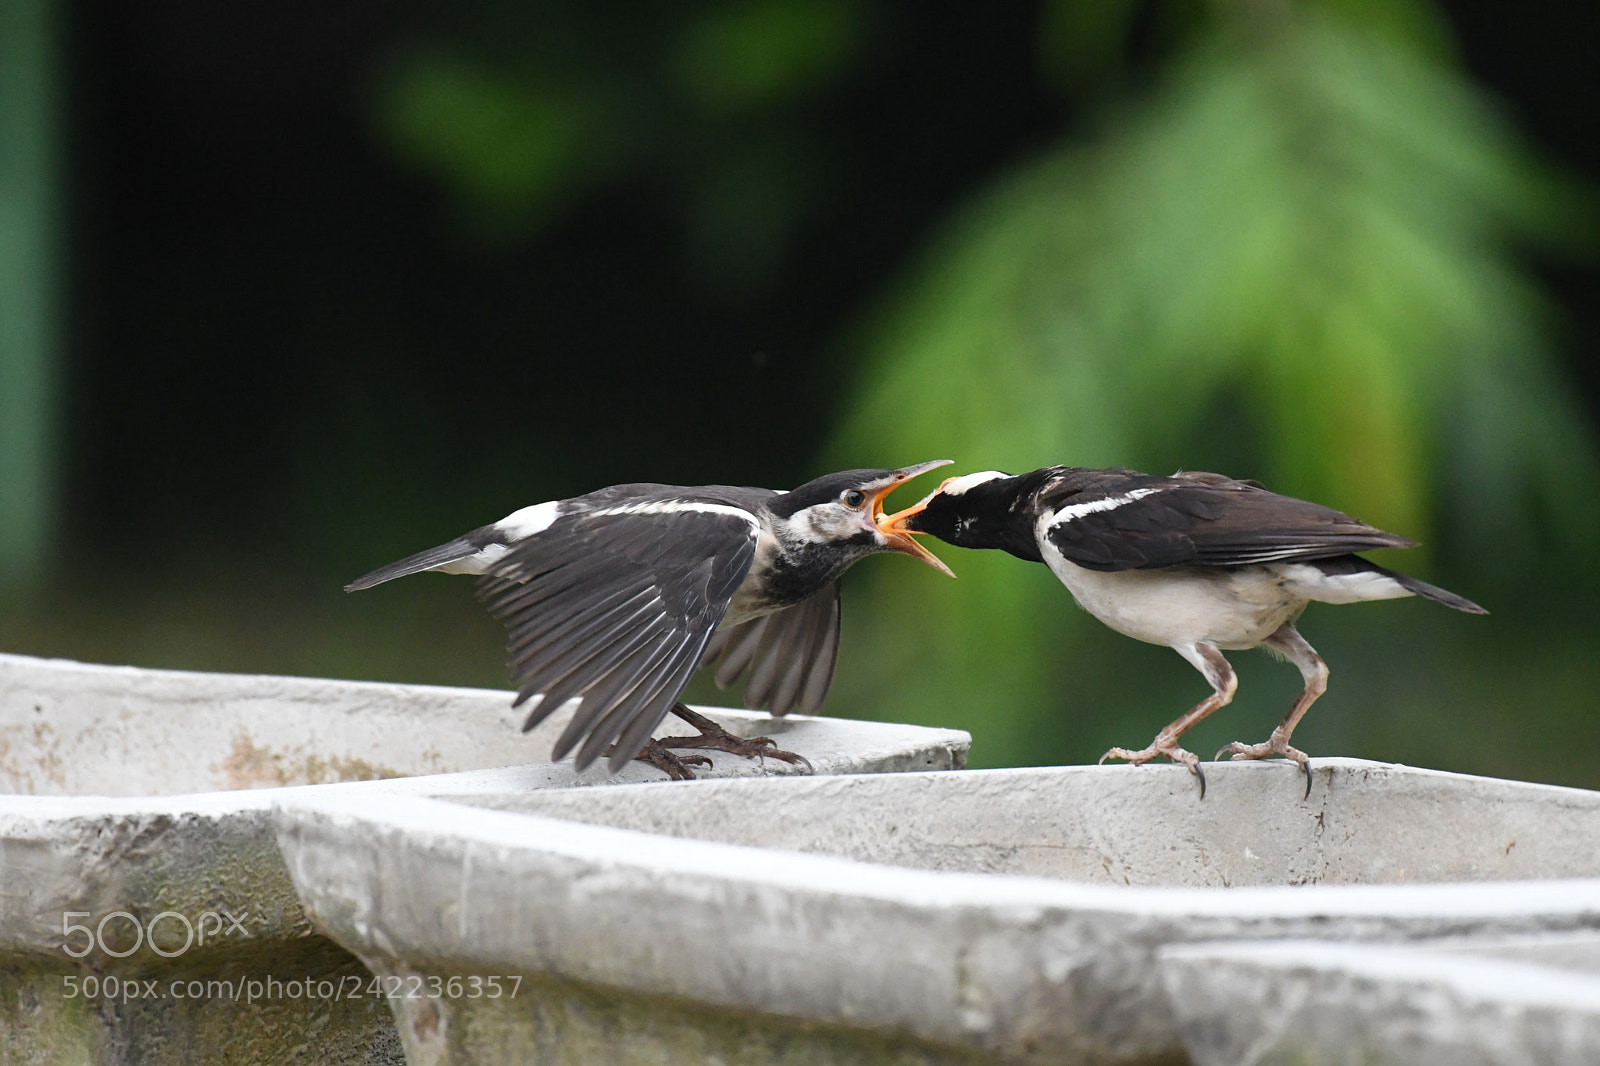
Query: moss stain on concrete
[249,765]
[564,1023]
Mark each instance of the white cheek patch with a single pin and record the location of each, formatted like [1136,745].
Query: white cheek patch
[1110,503]
[821,521]
[826,521]
[519,525]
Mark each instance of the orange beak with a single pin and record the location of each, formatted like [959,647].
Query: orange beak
[901,540]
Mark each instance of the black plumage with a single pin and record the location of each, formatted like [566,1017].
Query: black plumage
[1192,519]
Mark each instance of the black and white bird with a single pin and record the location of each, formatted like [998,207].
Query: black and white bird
[616,597]
[1199,562]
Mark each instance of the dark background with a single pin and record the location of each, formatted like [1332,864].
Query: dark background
[253,271]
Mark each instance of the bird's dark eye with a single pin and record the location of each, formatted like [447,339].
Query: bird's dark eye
[854,498]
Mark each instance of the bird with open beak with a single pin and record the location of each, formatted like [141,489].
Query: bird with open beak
[616,597]
[1197,561]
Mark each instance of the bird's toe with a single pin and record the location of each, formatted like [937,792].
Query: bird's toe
[715,737]
[1276,745]
[1168,749]
[1265,750]
[1137,758]
[670,763]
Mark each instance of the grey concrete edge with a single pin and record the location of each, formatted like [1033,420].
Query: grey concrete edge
[944,956]
[1439,1003]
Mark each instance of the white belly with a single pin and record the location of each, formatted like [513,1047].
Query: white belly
[1233,609]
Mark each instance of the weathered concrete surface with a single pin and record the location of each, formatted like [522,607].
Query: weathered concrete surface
[1364,822]
[1463,1003]
[196,878]
[556,1022]
[71,728]
[161,863]
[1009,967]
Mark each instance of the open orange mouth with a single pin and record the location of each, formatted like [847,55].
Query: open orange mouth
[901,540]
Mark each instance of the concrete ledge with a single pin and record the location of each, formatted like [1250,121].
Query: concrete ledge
[1002,967]
[165,881]
[1364,822]
[1531,1000]
[70,728]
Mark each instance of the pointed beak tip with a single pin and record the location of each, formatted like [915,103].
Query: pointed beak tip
[902,540]
[939,565]
[909,472]
[917,551]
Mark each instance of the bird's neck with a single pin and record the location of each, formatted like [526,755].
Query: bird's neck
[1003,517]
[1017,536]
[794,568]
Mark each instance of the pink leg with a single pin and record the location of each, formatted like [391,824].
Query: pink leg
[1315,672]
[1224,682]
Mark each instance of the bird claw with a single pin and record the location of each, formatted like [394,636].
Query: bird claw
[673,765]
[1169,749]
[717,738]
[1275,745]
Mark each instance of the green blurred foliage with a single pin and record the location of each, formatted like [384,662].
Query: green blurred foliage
[1295,257]
[512,148]
[29,290]
[710,99]
[764,54]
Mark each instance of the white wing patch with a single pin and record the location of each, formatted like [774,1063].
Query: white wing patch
[519,525]
[1110,503]
[478,562]
[680,507]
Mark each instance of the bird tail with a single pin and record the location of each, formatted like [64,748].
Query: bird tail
[457,549]
[1430,592]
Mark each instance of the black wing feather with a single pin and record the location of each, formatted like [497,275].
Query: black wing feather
[617,609]
[1199,519]
[606,709]
[732,649]
[790,655]
[564,649]
[823,656]
[611,666]
[634,732]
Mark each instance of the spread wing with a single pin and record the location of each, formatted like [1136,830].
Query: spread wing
[1198,519]
[790,654]
[616,606]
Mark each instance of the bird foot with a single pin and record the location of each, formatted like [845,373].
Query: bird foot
[673,765]
[715,737]
[1274,745]
[1161,746]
